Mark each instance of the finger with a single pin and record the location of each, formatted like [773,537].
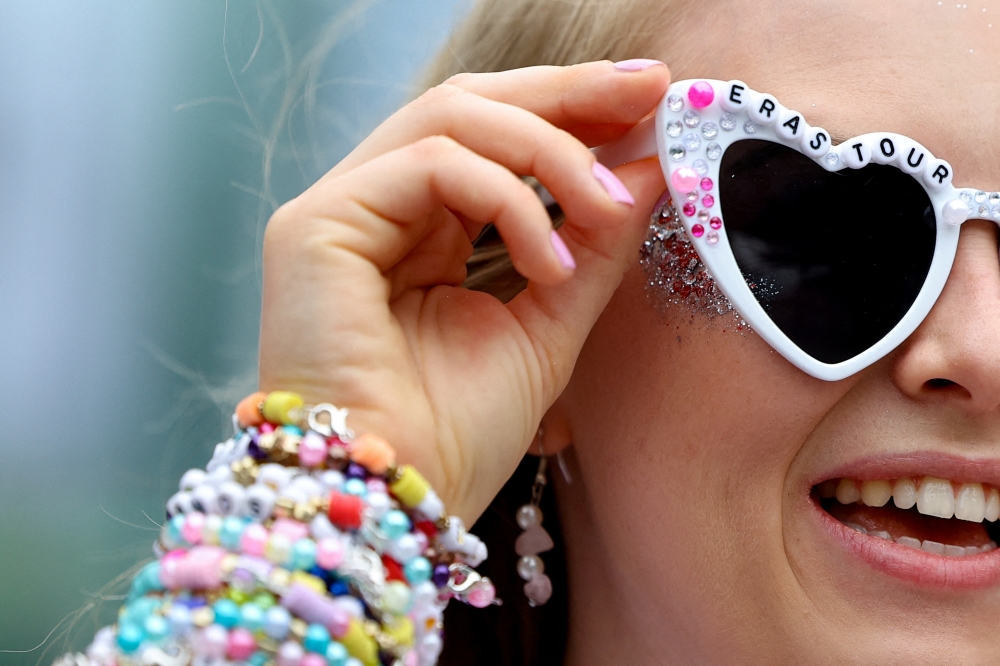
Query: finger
[558,318]
[579,98]
[383,209]
[524,143]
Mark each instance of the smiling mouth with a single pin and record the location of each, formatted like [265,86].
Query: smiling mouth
[934,515]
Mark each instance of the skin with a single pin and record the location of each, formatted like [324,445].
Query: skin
[688,534]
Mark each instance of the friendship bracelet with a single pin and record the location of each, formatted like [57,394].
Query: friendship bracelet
[299,544]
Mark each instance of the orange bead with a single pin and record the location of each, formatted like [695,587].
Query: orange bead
[248,411]
[372,452]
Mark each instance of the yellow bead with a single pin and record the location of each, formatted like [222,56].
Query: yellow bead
[309,581]
[239,596]
[360,645]
[400,631]
[280,407]
[410,487]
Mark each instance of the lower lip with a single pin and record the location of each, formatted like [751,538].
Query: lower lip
[972,572]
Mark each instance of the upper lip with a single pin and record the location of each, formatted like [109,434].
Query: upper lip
[952,467]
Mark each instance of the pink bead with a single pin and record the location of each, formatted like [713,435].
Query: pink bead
[292,529]
[684,179]
[241,644]
[716,223]
[265,427]
[697,231]
[313,659]
[312,449]
[483,595]
[376,485]
[199,569]
[329,553]
[411,658]
[254,540]
[708,201]
[689,209]
[701,94]
[707,184]
[193,524]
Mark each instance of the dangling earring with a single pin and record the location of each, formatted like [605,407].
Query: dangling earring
[534,539]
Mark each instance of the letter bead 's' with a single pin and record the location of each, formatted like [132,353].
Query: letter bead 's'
[816,142]
[735,96]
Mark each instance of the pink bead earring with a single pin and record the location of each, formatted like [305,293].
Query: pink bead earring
[534,539]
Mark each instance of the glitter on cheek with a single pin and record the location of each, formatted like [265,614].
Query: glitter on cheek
[674,272]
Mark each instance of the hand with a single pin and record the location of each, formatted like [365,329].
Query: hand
[363,303]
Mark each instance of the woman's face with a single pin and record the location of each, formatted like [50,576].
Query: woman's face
[695,527]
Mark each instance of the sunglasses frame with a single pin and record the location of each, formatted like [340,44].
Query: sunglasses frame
[695,152]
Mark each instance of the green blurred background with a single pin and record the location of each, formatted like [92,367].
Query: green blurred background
[143,145]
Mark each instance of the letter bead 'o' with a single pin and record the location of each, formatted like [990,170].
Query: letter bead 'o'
[885,150]
[735,96]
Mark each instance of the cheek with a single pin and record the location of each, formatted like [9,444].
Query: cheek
[688,428]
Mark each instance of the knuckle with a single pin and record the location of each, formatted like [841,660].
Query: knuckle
[439,95]
[434,147]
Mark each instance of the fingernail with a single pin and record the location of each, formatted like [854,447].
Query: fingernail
[615,187]
[565,256]
[636,64]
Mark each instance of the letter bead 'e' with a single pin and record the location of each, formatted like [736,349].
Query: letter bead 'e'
[790,125]
[856,153]
[764,109]
[735,96]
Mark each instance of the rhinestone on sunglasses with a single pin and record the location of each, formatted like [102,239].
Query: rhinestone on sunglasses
[996,212]
[727,122]
[691,141]
[995,199]
[677,152]
[984,211]
[697,231]
[703,216]
[832,159]
[714,151]
[692,119]
[709,130]
[715,223]
[675,103]
[980,197]
[691,196]
[750,127]
[701,166]
[966,196]
[712,238]
[674,128]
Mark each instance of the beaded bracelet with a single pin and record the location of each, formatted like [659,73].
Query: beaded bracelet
[298,545]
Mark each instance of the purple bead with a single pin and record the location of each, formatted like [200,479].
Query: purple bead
[254,451]
[355,471]
[441,575]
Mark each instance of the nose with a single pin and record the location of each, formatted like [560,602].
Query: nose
[953,358]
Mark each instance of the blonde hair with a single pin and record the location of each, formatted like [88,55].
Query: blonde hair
[506,34]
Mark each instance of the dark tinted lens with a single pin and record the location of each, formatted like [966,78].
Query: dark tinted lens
[836,259]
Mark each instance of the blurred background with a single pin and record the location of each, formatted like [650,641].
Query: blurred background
[143,146]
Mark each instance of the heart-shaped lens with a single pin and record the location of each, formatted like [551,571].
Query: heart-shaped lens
[836,259]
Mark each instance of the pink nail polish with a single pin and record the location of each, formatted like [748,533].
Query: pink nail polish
[565,257]
[615,187]
[636,64]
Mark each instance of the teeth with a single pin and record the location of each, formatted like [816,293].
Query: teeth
[932,547]
[847,492]
[992,511]
[909,541]
[936,498]
[876,493]
[904,493]
[971,503]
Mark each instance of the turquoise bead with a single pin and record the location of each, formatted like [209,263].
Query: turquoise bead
[258,659]
[227,613]
[304,554]
[395,524]
[251,616]
[147,580]
[230,532]
[292,430]
[140,609]
[317,638]
[336,654]
[417,570]
[355,487]
[129,637]
[174,528]
[157,628]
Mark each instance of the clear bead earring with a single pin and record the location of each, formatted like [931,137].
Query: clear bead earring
[534,539]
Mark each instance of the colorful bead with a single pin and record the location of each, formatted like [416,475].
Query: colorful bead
[175,528]
[156,628]
[251,616]
[277,622]
[313,659]
[264,600]
[280,407]
[697,231]
[417,570]
[397,598]
[231,532]
[483,595]
[289,654]
[248,410]
[254,540]
[278,548]
[441,575]
[373,453]
[227,613]
[129,637]
[240,644]
[317,639]
[329,553]
[707,184]
[360,645]
[212,641]
[356,487]
[336,654]
[193,524]
[701,94]
[345,510]
[690,209]
[179,618]
[304,554]
[394,524]
[684,179]
[411,487]
[716,223]
[312,450]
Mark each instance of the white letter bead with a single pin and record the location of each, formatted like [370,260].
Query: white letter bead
[179,503]
[735,96]
[816,142]
[764,109]
[937,174]
[856,153]
[259,501]
[911,157]
[230,499]
[885,150]
[192,479]
[203,498]
[791,125]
